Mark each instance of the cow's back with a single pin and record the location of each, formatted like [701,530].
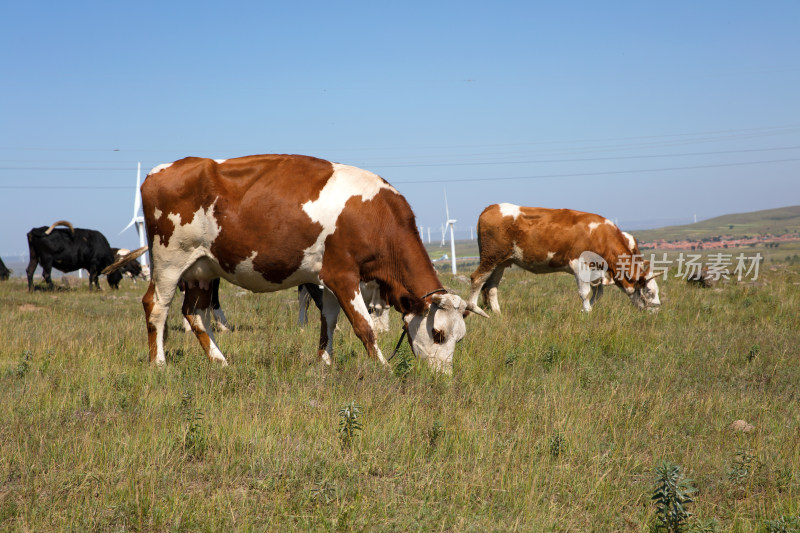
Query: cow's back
[257,216]
[538,235]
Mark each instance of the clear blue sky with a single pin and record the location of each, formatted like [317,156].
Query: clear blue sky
[647,113]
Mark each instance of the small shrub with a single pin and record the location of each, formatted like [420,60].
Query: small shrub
[672,495]
[434,434]
[754,351]
[349,425]
[742,467]
[404,365]
[511,357]
[550,356]
[324,492]
[558,445]
[24,365]
[195,439]
[784,524]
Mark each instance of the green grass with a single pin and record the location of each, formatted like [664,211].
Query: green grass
[552,421]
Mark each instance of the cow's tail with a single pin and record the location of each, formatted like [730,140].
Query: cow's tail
[124,260]
[60,223]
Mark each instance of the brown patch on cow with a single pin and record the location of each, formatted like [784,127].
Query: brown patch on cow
[27,308]
[249,196]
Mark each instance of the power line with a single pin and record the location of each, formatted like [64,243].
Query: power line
[715,135]
[590,174]
[475,163]
[465,180]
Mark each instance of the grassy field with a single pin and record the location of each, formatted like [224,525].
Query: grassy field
[772,221]
[553,420]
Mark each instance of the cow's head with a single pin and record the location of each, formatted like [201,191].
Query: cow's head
[114,278]
[434,333]
[644,293]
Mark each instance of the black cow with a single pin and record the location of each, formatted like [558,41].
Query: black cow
[68,250]
[4,271]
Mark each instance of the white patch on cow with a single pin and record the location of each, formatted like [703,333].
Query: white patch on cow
[610,223]
[516,252]
[220,161]
[550,255]
[345,183]
[630,239]
[592,226]
[159,168]
[509,210]
[187,253]
[361,308]
[157,213]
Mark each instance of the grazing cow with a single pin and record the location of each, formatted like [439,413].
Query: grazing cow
[4,271]
[541,240]
[131,268]
[378,308]
[271,222]
[702,278]
[68,250]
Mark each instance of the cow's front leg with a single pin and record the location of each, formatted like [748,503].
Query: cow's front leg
[585,292]
[328,317]
[197,311]
[352,302]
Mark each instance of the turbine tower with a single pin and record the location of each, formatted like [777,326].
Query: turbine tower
[138,219]
[450,222]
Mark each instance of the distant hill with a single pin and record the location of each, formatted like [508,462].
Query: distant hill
[772,221]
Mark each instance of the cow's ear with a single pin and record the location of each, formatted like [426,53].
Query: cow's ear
[442,301]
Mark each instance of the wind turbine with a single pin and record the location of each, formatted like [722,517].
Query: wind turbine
[138,219]
[450,222]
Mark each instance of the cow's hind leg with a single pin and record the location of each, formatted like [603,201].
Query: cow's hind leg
[485,280]
[490,289]
[219,315]
[597,293]
[32,264]
[197,311]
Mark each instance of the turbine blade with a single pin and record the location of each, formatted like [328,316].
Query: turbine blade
[131,223]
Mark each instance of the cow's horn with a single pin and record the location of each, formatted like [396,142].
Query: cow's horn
[60,223]
[654,276]
[123,261]
[477,310]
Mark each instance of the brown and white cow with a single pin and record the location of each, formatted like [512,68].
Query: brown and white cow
[271,222]
[542,240]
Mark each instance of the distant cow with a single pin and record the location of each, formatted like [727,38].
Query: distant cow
[702,278]
[541,240]
[4,271]
[378,308]
[68,250]
[131,268]
[271,222]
